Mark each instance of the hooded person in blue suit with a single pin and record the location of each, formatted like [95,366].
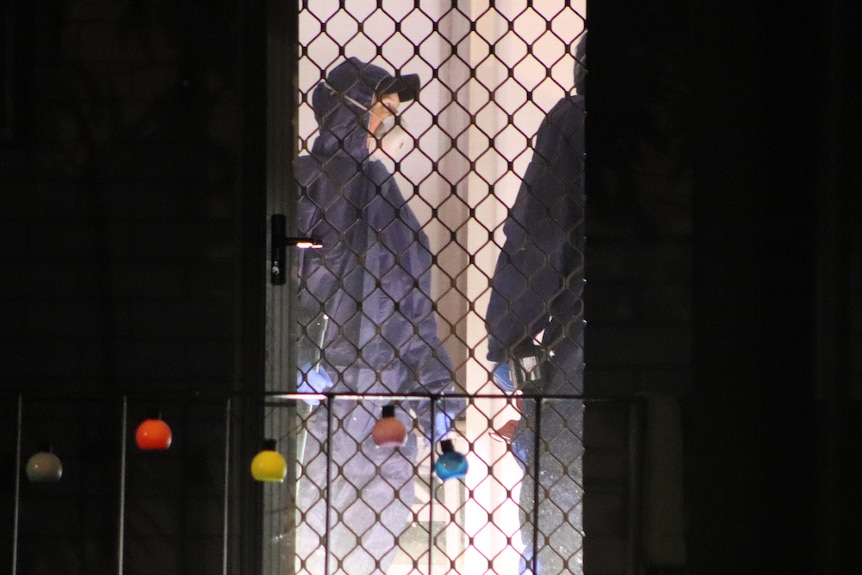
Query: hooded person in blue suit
[372,280]
[536,291]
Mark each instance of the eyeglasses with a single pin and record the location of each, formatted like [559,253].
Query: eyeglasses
[359,105]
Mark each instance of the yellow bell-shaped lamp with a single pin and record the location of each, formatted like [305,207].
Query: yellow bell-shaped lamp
[44,466]
[269,464]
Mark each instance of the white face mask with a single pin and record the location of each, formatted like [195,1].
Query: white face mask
[390,140]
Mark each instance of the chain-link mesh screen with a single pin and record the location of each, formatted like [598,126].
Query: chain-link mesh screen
[441,166]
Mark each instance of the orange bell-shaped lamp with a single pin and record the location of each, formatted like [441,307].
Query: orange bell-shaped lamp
[269,464]
[388,431]
[153,434]
[44,466]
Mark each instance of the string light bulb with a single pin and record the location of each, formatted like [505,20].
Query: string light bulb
[153,434]
[451,464]
[44,466]
[388,431]
[269,464]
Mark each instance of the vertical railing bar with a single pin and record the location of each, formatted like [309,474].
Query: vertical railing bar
[122,512]
[432,493]
[537,441]
[329,417]
[227,462]
[637,432]
[17,506]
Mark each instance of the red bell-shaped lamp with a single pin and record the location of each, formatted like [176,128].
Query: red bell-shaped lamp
[269,464]
[388,431]
[153,434]
[44,466]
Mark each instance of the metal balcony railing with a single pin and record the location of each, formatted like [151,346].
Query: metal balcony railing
[346,502]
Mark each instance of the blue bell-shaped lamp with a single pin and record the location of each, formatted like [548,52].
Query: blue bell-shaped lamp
[451,464]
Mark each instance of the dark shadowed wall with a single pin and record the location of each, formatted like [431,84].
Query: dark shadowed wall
[123,172]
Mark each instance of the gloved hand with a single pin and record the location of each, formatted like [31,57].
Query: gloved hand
[502,378]
[310,380]
[442,426]
[506,432]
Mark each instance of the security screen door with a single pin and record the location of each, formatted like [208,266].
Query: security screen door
[490,72]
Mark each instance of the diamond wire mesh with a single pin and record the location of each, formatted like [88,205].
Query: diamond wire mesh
[490,73]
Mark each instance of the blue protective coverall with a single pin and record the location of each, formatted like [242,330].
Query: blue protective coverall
[537,288]
[372,278]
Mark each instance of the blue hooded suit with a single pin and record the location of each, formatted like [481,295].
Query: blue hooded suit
[537,288]
[372,279]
